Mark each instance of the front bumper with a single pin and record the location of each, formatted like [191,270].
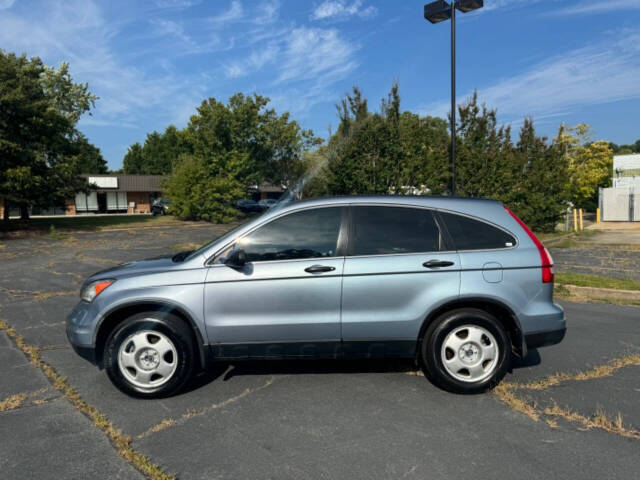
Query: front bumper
[79,329]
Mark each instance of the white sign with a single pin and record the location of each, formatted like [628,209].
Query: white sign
[104,182]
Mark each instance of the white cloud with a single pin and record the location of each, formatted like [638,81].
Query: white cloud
[176,3]
[233,13]
[76,32]
[502,4]
[171,28]
[599,6]
[253,63]
[596,74]
[299,67]
[267,12]
[560,7]
[340,9]
[298,54]
[315,53]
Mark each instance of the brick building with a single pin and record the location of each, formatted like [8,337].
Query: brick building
[114,193]
[120,193]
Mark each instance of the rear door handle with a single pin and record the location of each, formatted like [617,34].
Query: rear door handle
[319,269]
[437,263]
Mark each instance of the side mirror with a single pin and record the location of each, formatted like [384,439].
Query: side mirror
[237,259]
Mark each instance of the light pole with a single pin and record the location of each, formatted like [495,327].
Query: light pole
[437,12]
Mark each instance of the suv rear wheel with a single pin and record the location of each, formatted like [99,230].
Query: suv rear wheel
[149,355]
[466,351]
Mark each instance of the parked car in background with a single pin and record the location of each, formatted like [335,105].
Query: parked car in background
[160,206]
[460,285]
[267,203]
[249,206]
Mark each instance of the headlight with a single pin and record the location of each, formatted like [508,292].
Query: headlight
[93,289]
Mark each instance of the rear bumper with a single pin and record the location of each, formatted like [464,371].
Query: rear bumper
[546,327]
[544,339]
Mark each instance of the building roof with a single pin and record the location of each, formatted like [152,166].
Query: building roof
[117,182]
[626,162]
[267,188]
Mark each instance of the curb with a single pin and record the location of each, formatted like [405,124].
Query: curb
[602,293]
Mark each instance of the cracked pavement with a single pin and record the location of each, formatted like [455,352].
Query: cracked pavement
[311,419]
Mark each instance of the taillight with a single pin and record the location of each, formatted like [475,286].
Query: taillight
[546,261]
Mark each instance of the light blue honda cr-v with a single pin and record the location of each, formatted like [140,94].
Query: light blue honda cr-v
[461,285]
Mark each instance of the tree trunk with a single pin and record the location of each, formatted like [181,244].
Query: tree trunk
[24,212]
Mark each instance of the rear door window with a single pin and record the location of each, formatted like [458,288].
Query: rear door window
[393,230]
[470,234]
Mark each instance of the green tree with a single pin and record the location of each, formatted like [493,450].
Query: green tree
[133,160]
[158,154]
[201,191]
[484,157]
[230,148]
[88,157]
[385,152]
[39,109]
[589,164]
[625,149]
[539,193]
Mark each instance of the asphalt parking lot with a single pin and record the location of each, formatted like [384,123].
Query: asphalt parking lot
[570,411]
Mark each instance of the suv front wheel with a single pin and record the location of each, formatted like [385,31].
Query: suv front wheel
[149,355]
[466,351]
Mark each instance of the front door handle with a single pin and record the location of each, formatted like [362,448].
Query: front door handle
[319,269]
[437,263]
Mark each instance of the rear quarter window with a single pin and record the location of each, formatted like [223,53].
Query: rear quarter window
[471,234]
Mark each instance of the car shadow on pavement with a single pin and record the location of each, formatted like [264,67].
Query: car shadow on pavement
[530,360]
[224,371]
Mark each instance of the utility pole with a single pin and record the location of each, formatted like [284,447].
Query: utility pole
[437,12]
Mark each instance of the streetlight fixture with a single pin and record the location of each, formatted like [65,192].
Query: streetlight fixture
[437,12]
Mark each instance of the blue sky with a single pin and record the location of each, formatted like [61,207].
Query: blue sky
[151,63]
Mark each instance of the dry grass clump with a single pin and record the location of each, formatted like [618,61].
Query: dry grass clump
[12,402]
[598,420]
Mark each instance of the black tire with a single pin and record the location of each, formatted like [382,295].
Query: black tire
[172,328]
[435,336]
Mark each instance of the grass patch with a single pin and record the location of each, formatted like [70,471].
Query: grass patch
[564,243]
[598,420]
[592,374]
[550,236]
[584,280]
[566,239]
[37,295]
[121,441]
[506,393]
[88,222]
[54,234]
[12,402]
